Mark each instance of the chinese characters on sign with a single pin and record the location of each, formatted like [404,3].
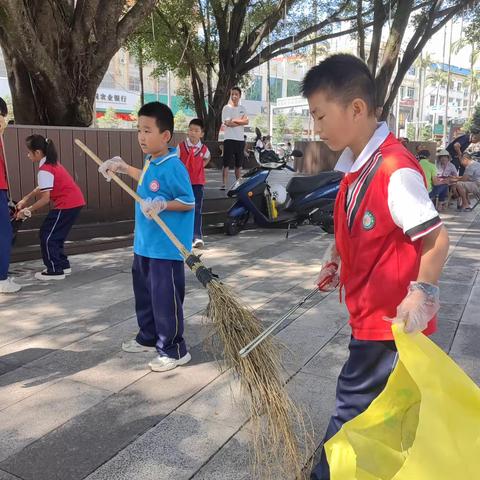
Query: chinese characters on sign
[103,97]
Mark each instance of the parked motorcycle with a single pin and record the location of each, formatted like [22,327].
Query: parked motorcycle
[275,196]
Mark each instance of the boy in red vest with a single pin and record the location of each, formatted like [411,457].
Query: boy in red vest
[195,155]
[390,244]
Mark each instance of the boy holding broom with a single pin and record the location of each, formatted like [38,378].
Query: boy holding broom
[390,244]
[158,269]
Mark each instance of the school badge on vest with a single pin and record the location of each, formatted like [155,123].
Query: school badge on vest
[154,186]
[368,220]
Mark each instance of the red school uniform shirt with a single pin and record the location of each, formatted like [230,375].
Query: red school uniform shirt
[3,169]
[382,212]
[193,157]
[64,192]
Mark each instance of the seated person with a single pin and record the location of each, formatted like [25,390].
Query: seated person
[436,186]
[446,175]
[468,183]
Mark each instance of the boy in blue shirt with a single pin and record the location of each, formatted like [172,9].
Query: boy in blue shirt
[158,269]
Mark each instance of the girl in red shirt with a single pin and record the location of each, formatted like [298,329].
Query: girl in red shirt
[54,184]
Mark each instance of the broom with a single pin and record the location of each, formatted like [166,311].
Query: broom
[277,426]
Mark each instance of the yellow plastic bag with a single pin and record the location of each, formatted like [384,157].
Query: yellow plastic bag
[425,425]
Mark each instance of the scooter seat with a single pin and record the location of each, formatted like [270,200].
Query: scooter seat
[299,185]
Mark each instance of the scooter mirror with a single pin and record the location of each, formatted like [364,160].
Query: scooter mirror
[297,153]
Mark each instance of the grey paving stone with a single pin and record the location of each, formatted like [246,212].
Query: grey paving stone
[22,383]
[175,448]
[469,364]
[466,341]
[27,421]
[220,401]
[91,438]
[445,333]
[471,315]
[313,395]
[330,359]
[451,311]
[452,293]
[307,335]
[464,275]
[6,476]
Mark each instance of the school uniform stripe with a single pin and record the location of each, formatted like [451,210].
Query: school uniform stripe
[362,188]
[424,229]
[356,185]
[185,203]
[48,238]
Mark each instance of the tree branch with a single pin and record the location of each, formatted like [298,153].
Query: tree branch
[361,31]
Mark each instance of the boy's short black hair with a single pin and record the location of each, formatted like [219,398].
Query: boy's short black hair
[3,107]
[237,88]
[198,122]
[161,113]
[343,77]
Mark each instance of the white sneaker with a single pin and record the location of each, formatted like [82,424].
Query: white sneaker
[163,364]
[132,346]
[67,271]
[9,286]
[46,277]
[198,243]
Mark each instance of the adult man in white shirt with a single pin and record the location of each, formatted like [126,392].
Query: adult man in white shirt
[234,117]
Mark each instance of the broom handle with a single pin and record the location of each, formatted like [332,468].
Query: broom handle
[185,253]
[268,331]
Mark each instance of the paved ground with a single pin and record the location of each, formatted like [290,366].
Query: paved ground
[74,406]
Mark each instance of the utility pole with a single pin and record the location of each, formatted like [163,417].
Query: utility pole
[445,126]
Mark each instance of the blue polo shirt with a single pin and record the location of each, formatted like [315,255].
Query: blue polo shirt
[166,177]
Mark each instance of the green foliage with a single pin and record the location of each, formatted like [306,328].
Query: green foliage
[296,127]
[426,132]
[279,127]
[181,123]
[109,120]
[474,120]
[261,122]
[410,131]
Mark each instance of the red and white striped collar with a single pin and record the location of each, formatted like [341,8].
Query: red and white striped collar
[347,163]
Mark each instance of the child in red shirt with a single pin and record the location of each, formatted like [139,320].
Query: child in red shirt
[195,156]
[55,184]
[390,244]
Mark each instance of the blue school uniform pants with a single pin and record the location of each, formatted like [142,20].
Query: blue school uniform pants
[53,233]
[159,288]
[362,379]
[5,235]
[197,225]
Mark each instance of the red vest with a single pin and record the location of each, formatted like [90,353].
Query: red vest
[193,159]
[378,259]
[65,193]
[3,169]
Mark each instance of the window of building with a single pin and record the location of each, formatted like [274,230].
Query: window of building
[276,85]
[254,91]
[134,83]
[432,100]
[402,92]
[293,88]
[442,99]
[465,103]
[410,92]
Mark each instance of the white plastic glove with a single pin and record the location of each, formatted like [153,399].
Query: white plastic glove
[418,307]
[328,277]
[150,206]
[115,165]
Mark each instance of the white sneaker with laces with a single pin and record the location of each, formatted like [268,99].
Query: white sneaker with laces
[198,243]
[163,364]
[9,286]
[132,346]
[45,276]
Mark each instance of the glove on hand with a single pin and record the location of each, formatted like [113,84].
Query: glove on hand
[114,165]
[418,307]
[328,277]
[150,207]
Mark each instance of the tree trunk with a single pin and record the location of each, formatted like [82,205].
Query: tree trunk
[140,72]
[57,53]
